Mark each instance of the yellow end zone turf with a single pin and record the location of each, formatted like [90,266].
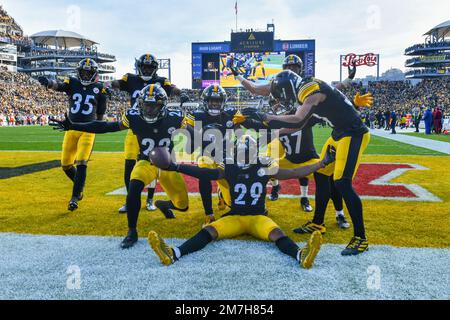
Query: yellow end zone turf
[36,204]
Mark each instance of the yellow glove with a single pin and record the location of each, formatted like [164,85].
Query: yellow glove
[363,101]
[239,119]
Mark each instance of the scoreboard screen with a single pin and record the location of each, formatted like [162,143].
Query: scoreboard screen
[211,61]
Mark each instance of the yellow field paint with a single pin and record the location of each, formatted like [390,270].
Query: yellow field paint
[37,204]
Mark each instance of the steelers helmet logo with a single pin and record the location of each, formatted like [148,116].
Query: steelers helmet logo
[96,91]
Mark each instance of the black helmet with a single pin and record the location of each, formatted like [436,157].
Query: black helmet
[152,103]
[147,66]
[87,71]
[284,87]
[293,63]
[214,99]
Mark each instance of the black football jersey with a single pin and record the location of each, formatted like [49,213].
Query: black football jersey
[224,122]
[85,102]
[248,188]
[337,110]
[152,135]
[133,84]
[299,146]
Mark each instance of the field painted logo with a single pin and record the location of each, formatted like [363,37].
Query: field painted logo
[12,172]
[373,182]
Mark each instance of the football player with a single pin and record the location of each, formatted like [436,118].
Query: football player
[146,67]
[87,102]
[350,138]
[259,63]
[299,149]
[214,116]
[153,126]
[247,176]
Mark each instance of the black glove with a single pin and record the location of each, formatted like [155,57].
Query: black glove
[64,125]
[254,114]
[184,98]
[330,156]
[44,81]
[352,71]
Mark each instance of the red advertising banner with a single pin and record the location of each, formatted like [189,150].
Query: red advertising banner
[368,59]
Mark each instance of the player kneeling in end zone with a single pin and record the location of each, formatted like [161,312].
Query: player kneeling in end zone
[247,177]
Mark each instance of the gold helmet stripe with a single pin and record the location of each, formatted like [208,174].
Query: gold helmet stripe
[152,87]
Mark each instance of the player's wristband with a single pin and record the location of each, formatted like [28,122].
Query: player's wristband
[240,78]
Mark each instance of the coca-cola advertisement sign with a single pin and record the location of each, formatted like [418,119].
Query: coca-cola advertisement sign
[368,59]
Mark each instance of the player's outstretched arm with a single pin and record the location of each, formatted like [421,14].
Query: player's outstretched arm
[351,75]
[286,174]
[49,83]
[91,127]
[259,90]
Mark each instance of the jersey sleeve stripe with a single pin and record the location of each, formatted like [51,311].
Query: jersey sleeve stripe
[125,121]
[307,90]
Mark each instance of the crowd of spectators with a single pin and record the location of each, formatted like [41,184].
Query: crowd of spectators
[10,30]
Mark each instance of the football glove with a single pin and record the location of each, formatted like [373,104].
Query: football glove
[44,81]
[352,71]
[64,125]
[330,156]
[184,98]
[363,101]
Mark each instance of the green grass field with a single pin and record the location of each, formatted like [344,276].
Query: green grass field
[46,139]
[435,137]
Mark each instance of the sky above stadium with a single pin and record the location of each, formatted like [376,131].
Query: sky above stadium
[167,28]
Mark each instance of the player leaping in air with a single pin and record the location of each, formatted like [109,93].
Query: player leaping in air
[350,137]
[247,175]
[87,102]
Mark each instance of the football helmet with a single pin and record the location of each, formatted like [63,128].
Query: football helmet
[87,71]
[276,108]
[284,87]
[147,66]
[152,103]
[214,99]
[293,63]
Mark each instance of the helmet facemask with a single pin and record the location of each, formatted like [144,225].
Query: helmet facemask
[151,111]
[215,105]
[148,70]
[87,74]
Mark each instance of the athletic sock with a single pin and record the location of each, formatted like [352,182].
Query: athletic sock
[322,197]
[196,243]
[336,197]
[80,180]
[71,173]
[288,247]
[129,166]
[206,195]
[134,202]
[304,187]
[340,213]
[354,206]
[151,193]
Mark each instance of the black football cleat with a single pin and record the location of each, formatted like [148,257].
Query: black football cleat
[306,206]
[310,228]
[275,194]
[342,222]
[166,208]
[73,204]
[130,240]
[356,246]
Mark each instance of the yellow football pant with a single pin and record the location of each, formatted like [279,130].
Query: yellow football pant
[206,162]
[349,151]
[77,146]
[131,146]
[172,182]
[259,227]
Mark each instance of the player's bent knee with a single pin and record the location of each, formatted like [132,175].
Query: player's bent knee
[276,235]
[212,231]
